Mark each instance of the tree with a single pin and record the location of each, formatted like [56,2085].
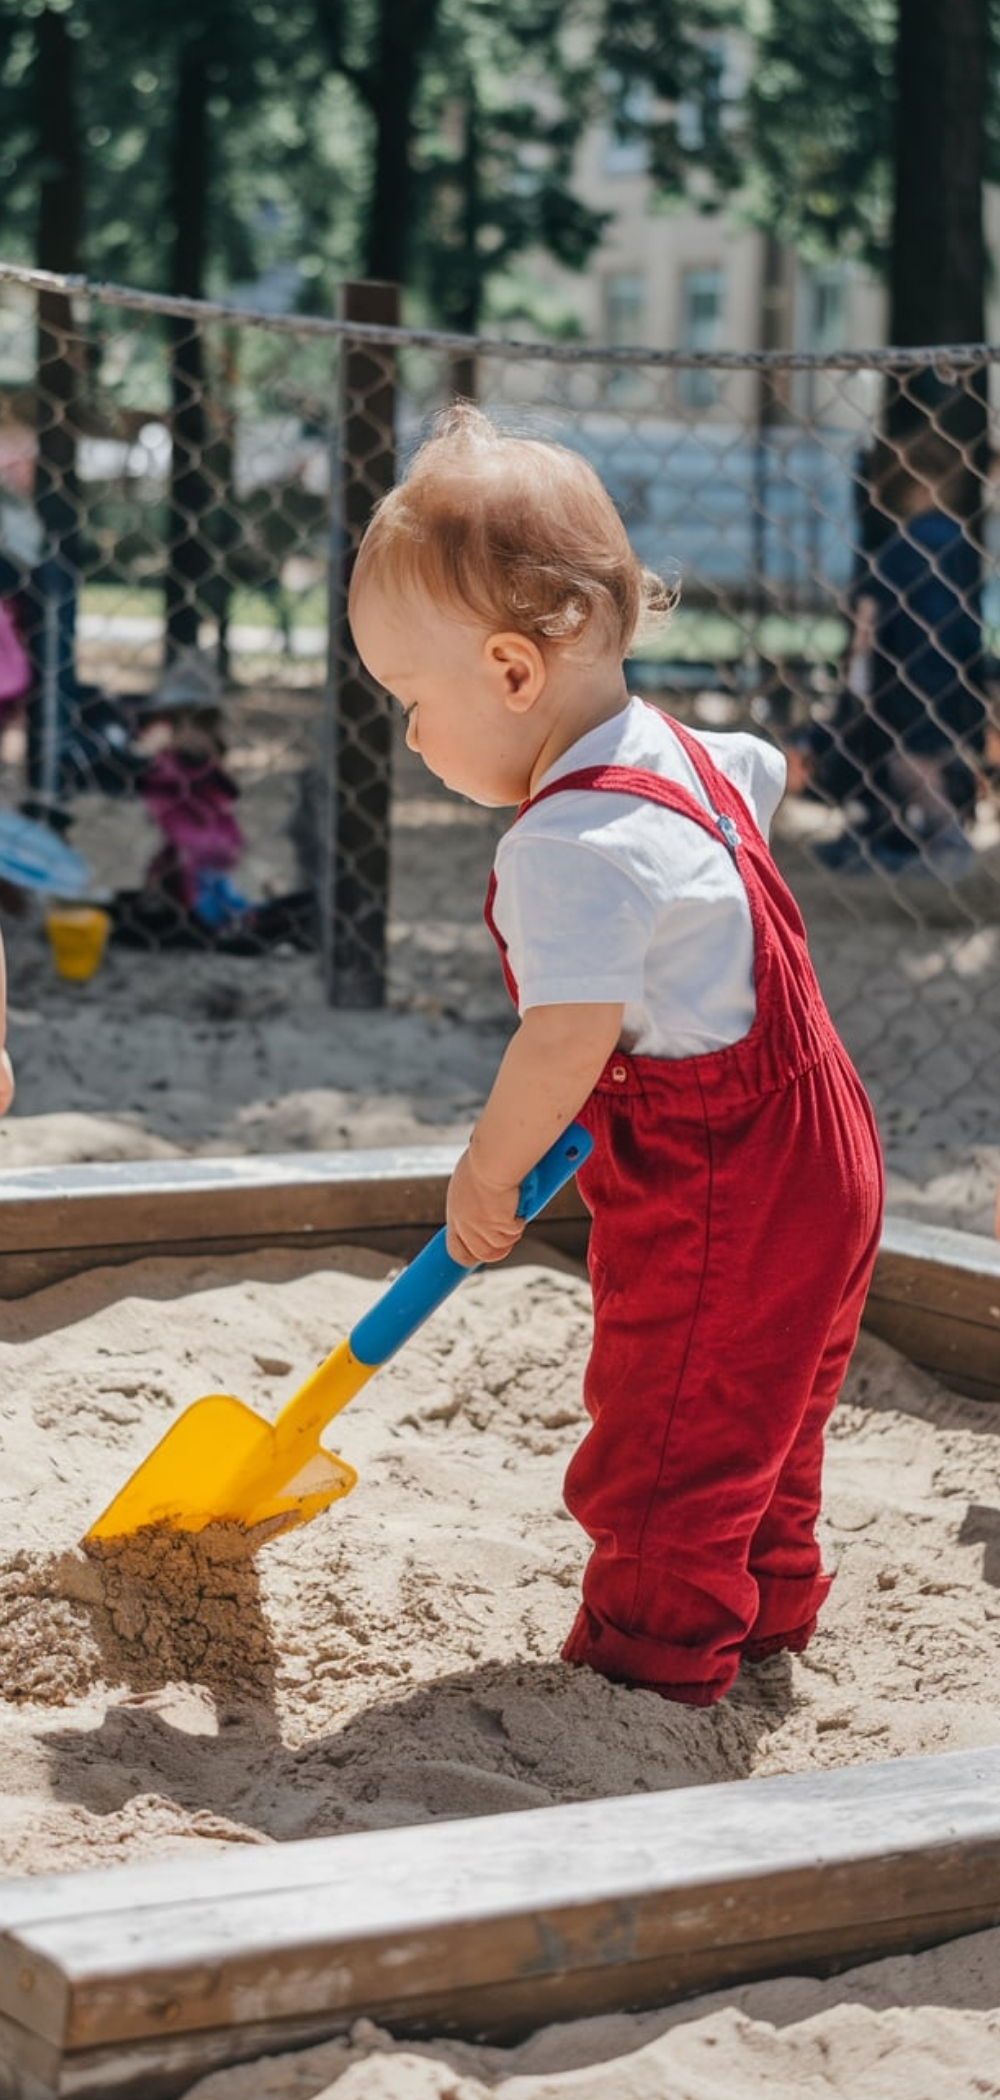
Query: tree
[874,139]
[937,272]
[816,130]
[202,64]
[937,269]
[508,98]
[58,249]
[664,69]
[201,38]
[380,49]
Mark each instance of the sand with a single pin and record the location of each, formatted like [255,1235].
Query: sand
[397,1660]
[915,2028]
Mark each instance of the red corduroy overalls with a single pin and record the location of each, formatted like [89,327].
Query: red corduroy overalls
[736,1200]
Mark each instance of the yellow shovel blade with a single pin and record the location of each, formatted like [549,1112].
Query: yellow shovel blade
[220,1463]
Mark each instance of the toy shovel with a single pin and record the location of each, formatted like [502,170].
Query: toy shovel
[220,1463]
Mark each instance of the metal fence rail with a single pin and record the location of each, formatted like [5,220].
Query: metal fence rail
[182,485]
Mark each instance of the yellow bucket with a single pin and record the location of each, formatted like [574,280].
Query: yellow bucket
[77,935]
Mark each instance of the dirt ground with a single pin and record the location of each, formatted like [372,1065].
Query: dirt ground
[166,1054]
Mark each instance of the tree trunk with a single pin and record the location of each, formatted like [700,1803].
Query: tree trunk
[938,254]
[938,265]
[189,560]
[357,777]
[464,305]
[52,594]
[57,495]
[403,32]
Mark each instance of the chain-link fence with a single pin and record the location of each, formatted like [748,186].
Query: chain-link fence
[181,489]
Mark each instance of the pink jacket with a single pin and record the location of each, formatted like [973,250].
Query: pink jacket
[192,802]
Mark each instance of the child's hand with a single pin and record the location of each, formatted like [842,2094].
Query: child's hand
[6,1083]
[482,1221]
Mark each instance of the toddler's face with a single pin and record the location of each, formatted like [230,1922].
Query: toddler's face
[195,738]
[438,667]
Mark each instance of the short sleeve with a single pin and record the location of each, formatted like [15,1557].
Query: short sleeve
[576,926]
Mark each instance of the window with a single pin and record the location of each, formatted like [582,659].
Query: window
[710,107]
[631,109]
[825,307]
[702,293]
[626,327]
[625,309]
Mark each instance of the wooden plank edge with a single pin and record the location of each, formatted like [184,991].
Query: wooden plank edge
[23,1274]
[962,1354]
[167,2067]
[150,1203]
[153,1202]
[918,1243]
[935,1296]
[530,1916]
[153,1206]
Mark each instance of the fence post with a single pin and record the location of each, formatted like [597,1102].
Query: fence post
[358,770]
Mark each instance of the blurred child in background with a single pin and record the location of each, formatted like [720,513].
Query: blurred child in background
[665,996]
[191,798]
[189,899]
[903,750]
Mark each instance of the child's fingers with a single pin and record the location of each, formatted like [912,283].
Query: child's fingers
[471,1243]
[459,1250]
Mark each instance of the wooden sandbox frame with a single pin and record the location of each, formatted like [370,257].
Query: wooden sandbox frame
[128,1983]
[935,1294]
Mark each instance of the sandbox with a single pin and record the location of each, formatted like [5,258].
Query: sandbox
[393,1666]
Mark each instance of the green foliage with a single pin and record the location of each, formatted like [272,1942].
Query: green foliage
[285,146]
[795,128]
[503,103]
[668,76]
[819,125]
[459,120]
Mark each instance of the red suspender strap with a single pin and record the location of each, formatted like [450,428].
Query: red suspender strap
[632,780]
[649,787]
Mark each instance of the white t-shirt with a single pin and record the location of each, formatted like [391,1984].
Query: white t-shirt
[612,897]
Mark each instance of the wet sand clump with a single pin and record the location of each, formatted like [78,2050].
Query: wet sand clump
[159,1607]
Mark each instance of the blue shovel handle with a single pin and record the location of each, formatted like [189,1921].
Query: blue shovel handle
[433,1274]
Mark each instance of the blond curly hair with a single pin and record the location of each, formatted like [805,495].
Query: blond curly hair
[515,532]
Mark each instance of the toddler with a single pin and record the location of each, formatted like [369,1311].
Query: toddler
[666,997]
[191,798]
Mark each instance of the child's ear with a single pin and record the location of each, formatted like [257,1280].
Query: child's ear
[517,666]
